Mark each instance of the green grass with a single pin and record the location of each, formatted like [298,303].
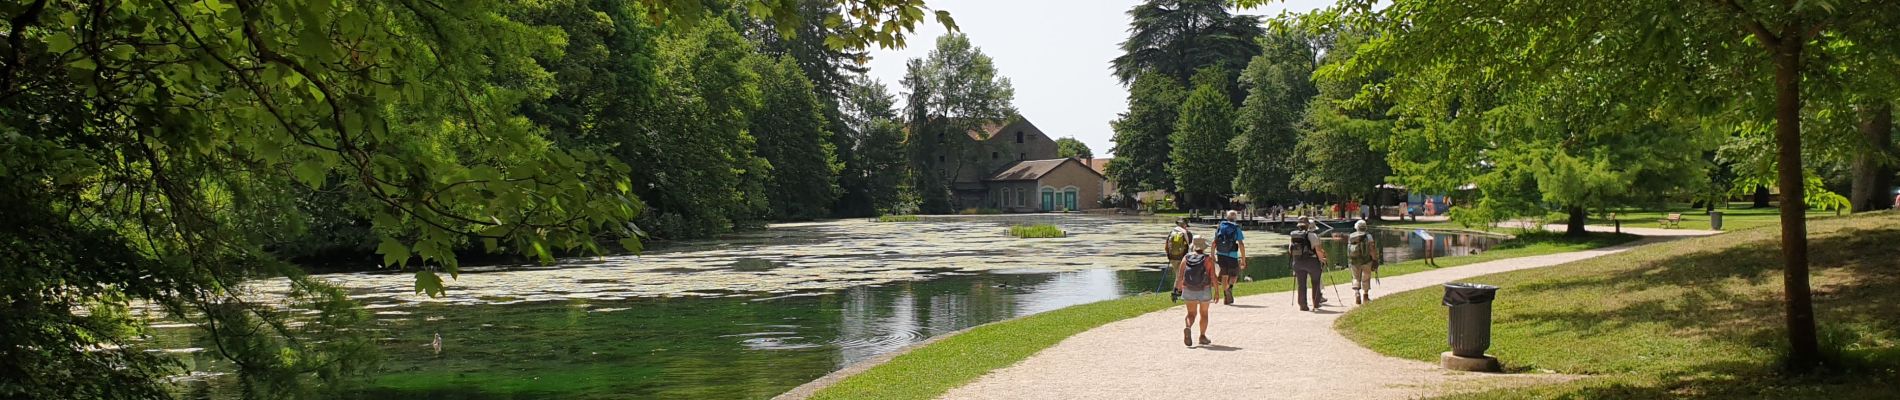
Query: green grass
[980,211]
[1036,231]
[1391,222]
[1695,318]
[897,218]
[929,371]
[1735,217]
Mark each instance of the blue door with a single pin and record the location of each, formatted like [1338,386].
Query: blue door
[1048,199]
[1071,200]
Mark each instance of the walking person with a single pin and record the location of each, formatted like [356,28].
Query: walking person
[1362,251]
[1230,252]
[1176,246]
[1194,279]
[1308,260]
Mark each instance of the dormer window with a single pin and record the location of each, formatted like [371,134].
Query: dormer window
[1019,136]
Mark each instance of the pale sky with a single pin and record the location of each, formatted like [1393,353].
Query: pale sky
[1055,53]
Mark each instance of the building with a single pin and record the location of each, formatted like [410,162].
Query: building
[1011,166]
[1062,184]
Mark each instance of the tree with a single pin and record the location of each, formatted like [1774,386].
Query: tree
[162,152]
[790,128]
[1279,84]
[870,112]
[694,161]
[953,91]
[1696,53]
[1201,164]
[1179,37]
[1068,147]
[1142,135]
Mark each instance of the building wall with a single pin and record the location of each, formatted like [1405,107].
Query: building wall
[980,159]
[1088,185]
[1013,196]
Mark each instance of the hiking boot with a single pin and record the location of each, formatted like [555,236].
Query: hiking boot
[1358,299]
[1230,295]
[1303,308]
[1204,340]
[1187,336]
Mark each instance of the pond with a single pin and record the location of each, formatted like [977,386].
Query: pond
[749,316]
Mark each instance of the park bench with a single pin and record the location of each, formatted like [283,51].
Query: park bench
[1672,221]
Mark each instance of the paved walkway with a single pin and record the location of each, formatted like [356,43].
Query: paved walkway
[1264,347]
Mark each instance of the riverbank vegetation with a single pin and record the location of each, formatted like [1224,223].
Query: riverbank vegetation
[897,218]
[928,371]
[1689,318]
[1036,231]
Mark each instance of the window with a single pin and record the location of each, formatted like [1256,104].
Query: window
[1019,197]
[992,155]
[1021,156]
[1019,136]
[939,158]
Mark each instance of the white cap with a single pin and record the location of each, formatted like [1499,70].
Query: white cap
[1359,226]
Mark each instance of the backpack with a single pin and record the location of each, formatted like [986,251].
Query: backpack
[1302,245]
[1177,243]
[1227,237]
[1359,248]
[1195,277]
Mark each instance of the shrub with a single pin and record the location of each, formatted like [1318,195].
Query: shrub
[1036,231]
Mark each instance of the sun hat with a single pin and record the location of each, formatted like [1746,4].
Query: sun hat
[1200,243]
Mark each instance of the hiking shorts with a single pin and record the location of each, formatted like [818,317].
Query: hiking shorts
[1228,266]
[1202,294]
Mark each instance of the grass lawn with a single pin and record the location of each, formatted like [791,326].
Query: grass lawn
[897,218]
[1394,223]
[1735,217]
[929,371]
[1696,318]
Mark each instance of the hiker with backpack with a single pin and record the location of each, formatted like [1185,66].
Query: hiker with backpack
[1194,279]
[1230,252]
[1362,251]
[1176,246]
[1308,260]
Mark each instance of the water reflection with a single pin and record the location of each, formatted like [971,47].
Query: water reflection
[833,294]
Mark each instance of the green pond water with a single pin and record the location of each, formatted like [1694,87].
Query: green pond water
[744,317]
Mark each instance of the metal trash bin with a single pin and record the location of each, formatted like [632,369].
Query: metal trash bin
[1715,220]
[1470,327]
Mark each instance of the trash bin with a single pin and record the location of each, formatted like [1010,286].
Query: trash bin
[1470,328]
[1715,220]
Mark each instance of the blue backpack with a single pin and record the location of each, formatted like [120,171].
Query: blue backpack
[1227,237]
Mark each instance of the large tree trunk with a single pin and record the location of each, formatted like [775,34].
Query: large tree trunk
[1872,176]
[1804,350]
[1578,217]
[1761,197]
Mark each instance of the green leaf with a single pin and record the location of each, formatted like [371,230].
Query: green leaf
[59,42]
[632,245]
[311,173]
[395,254]
[430,283]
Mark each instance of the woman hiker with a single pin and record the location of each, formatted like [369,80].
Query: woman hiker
[1194,278]
[1176,246]
[1308,260]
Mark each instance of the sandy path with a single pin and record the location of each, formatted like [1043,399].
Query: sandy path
[1264,348]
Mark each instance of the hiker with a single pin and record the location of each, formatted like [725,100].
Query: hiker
[1176,246]
[1230,251]
[1362,251]
[1308,260]
[1194,279]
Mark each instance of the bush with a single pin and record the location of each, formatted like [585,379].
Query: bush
[897,218]
[1036,231]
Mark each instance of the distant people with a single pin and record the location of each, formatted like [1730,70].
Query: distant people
[1194,279]
[1230,250]
[1362,251]
[1176,246]
[1896,201]
[1308,260]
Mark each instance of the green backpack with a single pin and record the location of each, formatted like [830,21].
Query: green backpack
[1359,248]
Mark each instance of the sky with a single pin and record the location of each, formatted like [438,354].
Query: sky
[1055,53]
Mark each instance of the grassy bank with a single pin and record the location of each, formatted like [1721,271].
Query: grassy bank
[1036,231]
[897,218]
[929,371]
[1696,318]
[1736,216]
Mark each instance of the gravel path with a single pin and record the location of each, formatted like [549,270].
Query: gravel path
[1264,348]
